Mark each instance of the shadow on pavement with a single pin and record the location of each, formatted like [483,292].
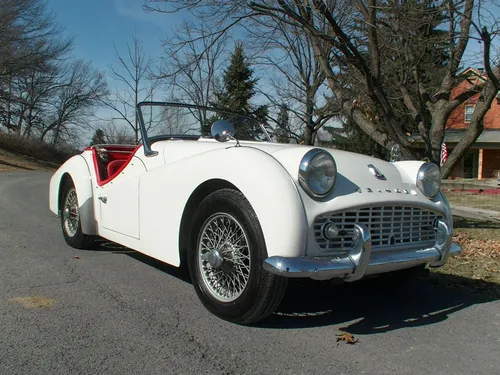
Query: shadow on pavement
[114,248]
[375,305]
[379,305]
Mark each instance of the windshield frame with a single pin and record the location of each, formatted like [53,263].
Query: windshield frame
[148,141]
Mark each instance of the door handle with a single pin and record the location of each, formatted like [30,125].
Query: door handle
[103,199]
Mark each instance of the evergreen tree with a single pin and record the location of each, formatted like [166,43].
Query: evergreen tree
[239,88]
[98,138]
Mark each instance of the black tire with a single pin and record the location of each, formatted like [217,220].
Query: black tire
[263,291]
[72,232]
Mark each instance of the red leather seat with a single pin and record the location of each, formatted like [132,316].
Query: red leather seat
[114,166]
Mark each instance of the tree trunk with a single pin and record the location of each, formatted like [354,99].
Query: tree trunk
[307,137]
[475,128]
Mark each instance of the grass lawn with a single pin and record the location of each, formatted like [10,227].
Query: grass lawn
[480,259]
[476,200]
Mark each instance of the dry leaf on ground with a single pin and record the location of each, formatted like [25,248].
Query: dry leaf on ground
[347,337]
[475,247]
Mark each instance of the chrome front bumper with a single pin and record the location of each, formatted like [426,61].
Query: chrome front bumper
[362,261]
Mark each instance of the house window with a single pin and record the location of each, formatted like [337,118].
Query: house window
[469,110]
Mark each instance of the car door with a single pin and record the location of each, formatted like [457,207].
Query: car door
[119,200]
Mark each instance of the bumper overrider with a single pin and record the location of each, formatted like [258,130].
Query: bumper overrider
[362,261]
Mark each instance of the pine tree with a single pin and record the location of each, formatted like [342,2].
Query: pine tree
[98,138]
[239,89]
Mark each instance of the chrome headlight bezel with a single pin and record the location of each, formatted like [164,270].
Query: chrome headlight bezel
[429,180]
[306,167]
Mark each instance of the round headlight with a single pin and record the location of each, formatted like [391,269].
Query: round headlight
[317,173]
[429,179]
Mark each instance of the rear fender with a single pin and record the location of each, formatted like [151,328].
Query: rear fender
[77,170]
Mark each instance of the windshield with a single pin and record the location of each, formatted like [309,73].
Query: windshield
[162,121]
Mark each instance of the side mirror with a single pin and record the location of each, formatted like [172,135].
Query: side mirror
[222,130]
[395,156]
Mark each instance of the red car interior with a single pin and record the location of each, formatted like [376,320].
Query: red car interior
[110,160]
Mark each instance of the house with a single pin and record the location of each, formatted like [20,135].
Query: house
[482,160]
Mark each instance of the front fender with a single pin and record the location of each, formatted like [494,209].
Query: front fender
[268,187]
[78,170]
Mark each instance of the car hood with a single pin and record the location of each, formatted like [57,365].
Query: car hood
[356,185]
[353,169]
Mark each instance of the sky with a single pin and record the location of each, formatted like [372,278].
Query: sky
[97,24]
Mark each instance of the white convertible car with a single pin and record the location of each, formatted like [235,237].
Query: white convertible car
[245,213]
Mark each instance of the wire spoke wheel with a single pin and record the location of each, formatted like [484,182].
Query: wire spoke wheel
[225,260]
[224,257]
[71,214]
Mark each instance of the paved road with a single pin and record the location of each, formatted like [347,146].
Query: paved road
[112,311]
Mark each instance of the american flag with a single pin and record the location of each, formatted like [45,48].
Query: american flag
[444,153]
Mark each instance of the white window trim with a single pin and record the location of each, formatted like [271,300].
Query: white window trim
[465,112]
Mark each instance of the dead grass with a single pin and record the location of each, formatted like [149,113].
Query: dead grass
[475,200]
[480,258]
[12,162]
[34,150]
[29,154]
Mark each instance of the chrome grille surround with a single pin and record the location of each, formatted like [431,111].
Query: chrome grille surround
[391,227]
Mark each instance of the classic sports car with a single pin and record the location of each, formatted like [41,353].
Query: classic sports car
[244,213]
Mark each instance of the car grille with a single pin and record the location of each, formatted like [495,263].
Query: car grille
[390,227]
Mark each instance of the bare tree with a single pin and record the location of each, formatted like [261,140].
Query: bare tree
[133,72]
[30,50]
[367,48]
[116,134]
[359,51]
[33,92]
[29,36]
[193,59]
[298,83]
[82,90]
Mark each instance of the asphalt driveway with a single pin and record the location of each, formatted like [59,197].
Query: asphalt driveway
[110,310]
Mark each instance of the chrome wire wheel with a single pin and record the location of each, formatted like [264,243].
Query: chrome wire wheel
[224,257]
[71,214]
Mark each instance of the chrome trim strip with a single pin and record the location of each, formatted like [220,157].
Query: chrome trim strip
[445,248]
[360,256]
[361,261]
[325,268]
